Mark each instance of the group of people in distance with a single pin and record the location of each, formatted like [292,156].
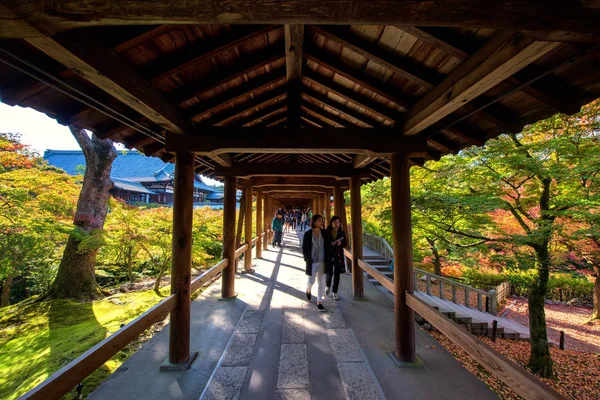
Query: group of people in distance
[322,249]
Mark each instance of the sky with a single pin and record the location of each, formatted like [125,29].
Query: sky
[41,132]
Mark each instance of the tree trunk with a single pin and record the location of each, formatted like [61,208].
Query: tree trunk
[6,291]
[540,360]
[161,273]
[596,312]
[130,263]
[76,277]
[437,263]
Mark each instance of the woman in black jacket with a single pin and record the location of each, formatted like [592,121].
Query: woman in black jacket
[316,249]
[337,266]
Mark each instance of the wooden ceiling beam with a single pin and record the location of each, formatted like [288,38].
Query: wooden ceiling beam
[265,181]
[268,121]
[362,160]
[201,51]
[546,94]
[339,107]
[223,117]
[294,49]
[100,66]
[325,116]
[226,75]
[236,94]
[358,77]
[288,169]
[571,21]
[264,113]
[370,141]
[401,66]
[352,96]
[505,54]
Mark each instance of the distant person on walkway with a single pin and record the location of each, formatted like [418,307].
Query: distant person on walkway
[287,222]
[336,262]
[303,219]
[277,227]
[316,249]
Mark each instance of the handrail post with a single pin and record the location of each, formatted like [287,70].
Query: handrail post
[415,281]
[183,209]
[467,297]
[442,290]
[454,293]
[479,301]
[493,302]
[428,278]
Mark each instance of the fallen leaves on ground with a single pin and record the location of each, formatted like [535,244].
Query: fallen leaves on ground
[581,334]
[577,373]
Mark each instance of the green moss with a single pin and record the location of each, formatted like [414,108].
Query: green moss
[38,339]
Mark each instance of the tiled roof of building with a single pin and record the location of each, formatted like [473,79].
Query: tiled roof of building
[131,165]
[130,186]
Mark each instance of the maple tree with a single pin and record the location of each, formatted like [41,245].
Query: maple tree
[37,203]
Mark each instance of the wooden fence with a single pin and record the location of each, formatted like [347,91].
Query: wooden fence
[77,370]
[521,381]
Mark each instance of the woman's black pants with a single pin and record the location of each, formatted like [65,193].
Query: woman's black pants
[336,278]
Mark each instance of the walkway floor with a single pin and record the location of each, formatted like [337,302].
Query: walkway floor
[270,343]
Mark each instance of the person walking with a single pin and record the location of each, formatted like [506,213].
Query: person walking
[303,221]
[277,227]
[336,266]
[316,250]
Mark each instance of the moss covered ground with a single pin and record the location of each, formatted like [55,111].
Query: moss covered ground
[37,339]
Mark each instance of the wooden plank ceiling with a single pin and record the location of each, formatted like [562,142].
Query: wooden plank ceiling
[275,87]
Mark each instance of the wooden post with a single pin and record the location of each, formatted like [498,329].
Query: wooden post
[248,230]
[494,330]
[342,213]
[179,334]
[228,279]
[240,224]
[561,343]
[357,251]
[266,221]
[403,267]
[338,201]
[259,220]
[328,205]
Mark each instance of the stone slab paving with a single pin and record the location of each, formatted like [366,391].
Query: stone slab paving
[271,343]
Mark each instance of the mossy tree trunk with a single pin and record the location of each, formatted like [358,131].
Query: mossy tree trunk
[6,291]
[76,277]
[540,360]
[596,312]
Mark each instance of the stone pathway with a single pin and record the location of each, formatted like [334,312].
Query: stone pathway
[316,355]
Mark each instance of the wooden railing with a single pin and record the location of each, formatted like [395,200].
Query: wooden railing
[379,244]
[77,370]
[522,382]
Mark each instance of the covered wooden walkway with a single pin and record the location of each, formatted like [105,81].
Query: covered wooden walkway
[270,343]
[295,102]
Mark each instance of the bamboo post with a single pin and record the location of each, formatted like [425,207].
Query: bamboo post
[228,280]
[248,229]
[179,331]
[403,267]
[259,221]
[357,250]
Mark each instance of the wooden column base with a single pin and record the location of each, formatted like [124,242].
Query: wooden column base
[167,366]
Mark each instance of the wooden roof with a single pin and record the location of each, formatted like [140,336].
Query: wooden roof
[301,100]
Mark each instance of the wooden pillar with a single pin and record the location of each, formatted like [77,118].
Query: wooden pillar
[267,222]
[179,335]
[259,221]
[355,204]
[240,225]
[228,279]
[338,200]
[403,267]
[248,230]
[328,205]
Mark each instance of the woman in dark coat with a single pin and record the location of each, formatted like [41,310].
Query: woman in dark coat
[337,236]
[316,249]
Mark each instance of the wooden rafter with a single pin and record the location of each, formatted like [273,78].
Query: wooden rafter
[341,108]
[402,66]
[294,49]
[325,116]
[105,70]
[505,54]
[264,113]
[573,21]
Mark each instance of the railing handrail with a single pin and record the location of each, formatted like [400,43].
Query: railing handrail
[453,282]
[63,380]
